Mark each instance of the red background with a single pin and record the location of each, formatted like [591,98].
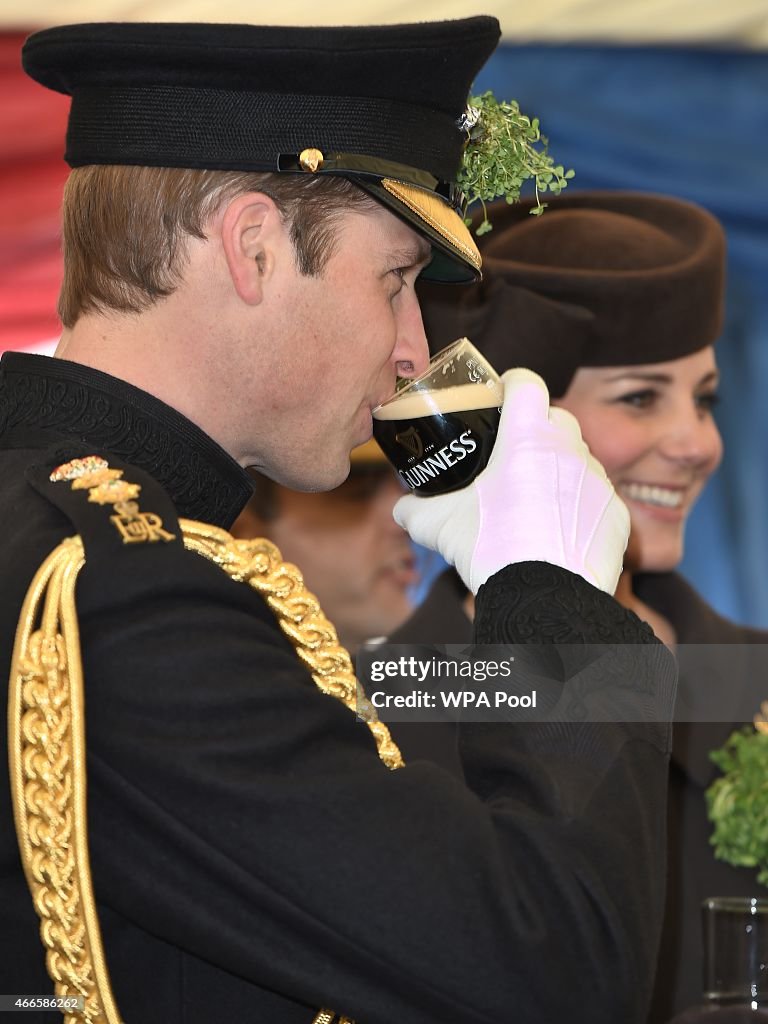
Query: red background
[32,175]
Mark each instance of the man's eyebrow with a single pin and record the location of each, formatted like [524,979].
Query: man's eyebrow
[412,255]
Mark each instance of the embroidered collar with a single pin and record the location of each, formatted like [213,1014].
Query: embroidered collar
[43,399]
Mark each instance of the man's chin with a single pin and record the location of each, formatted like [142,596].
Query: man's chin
[317,478]
[332,480]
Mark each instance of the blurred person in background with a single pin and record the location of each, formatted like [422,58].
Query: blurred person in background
[616,298]
[353,556]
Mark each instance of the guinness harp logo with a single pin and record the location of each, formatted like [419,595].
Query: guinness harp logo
[411,441]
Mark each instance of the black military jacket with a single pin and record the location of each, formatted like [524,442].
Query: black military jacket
[693,872]
[253,859]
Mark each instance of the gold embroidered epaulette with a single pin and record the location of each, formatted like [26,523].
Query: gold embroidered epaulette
[105,486]
[46,719]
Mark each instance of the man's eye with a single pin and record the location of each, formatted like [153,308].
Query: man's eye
[398,280]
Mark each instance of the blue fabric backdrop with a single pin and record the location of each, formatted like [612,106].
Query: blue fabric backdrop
[692,123]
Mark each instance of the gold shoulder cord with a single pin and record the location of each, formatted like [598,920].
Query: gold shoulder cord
[259,563]
[46,725]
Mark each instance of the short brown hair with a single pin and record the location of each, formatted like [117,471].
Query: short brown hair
[124,228]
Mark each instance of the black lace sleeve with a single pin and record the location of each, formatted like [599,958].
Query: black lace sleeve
[535,602]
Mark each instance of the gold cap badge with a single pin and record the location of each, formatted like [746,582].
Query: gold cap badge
[311,159]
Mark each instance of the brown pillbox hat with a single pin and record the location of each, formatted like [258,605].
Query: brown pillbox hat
[599,279]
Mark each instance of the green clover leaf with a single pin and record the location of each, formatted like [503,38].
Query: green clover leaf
[506,149]
[737,803]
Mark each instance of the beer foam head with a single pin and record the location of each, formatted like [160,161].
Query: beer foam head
[416,404]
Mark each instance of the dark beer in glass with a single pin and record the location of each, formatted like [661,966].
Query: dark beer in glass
[438,430]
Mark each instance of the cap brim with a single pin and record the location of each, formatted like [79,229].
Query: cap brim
[456,258]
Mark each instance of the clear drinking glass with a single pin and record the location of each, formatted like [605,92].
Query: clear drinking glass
[735,981]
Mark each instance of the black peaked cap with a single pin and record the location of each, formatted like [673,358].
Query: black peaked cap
[380,104]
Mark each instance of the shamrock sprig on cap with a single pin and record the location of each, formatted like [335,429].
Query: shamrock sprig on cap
[505,148]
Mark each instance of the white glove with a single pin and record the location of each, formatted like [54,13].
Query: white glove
[541,498]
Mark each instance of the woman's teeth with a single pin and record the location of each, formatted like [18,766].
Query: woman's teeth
[652,495]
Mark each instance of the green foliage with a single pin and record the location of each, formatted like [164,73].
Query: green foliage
[506,149]
[738,802]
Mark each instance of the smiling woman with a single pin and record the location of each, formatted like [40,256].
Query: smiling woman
[652,428]
[616,300]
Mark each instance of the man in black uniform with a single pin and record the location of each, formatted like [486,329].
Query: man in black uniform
[254,851]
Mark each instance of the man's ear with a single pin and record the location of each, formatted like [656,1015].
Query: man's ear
[253,234]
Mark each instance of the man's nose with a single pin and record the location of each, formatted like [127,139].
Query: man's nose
[412,353]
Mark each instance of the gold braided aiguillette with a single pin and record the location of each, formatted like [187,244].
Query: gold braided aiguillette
[259,564]
[46,731]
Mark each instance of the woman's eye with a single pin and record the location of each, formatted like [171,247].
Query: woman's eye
[639,399]
[708,401]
